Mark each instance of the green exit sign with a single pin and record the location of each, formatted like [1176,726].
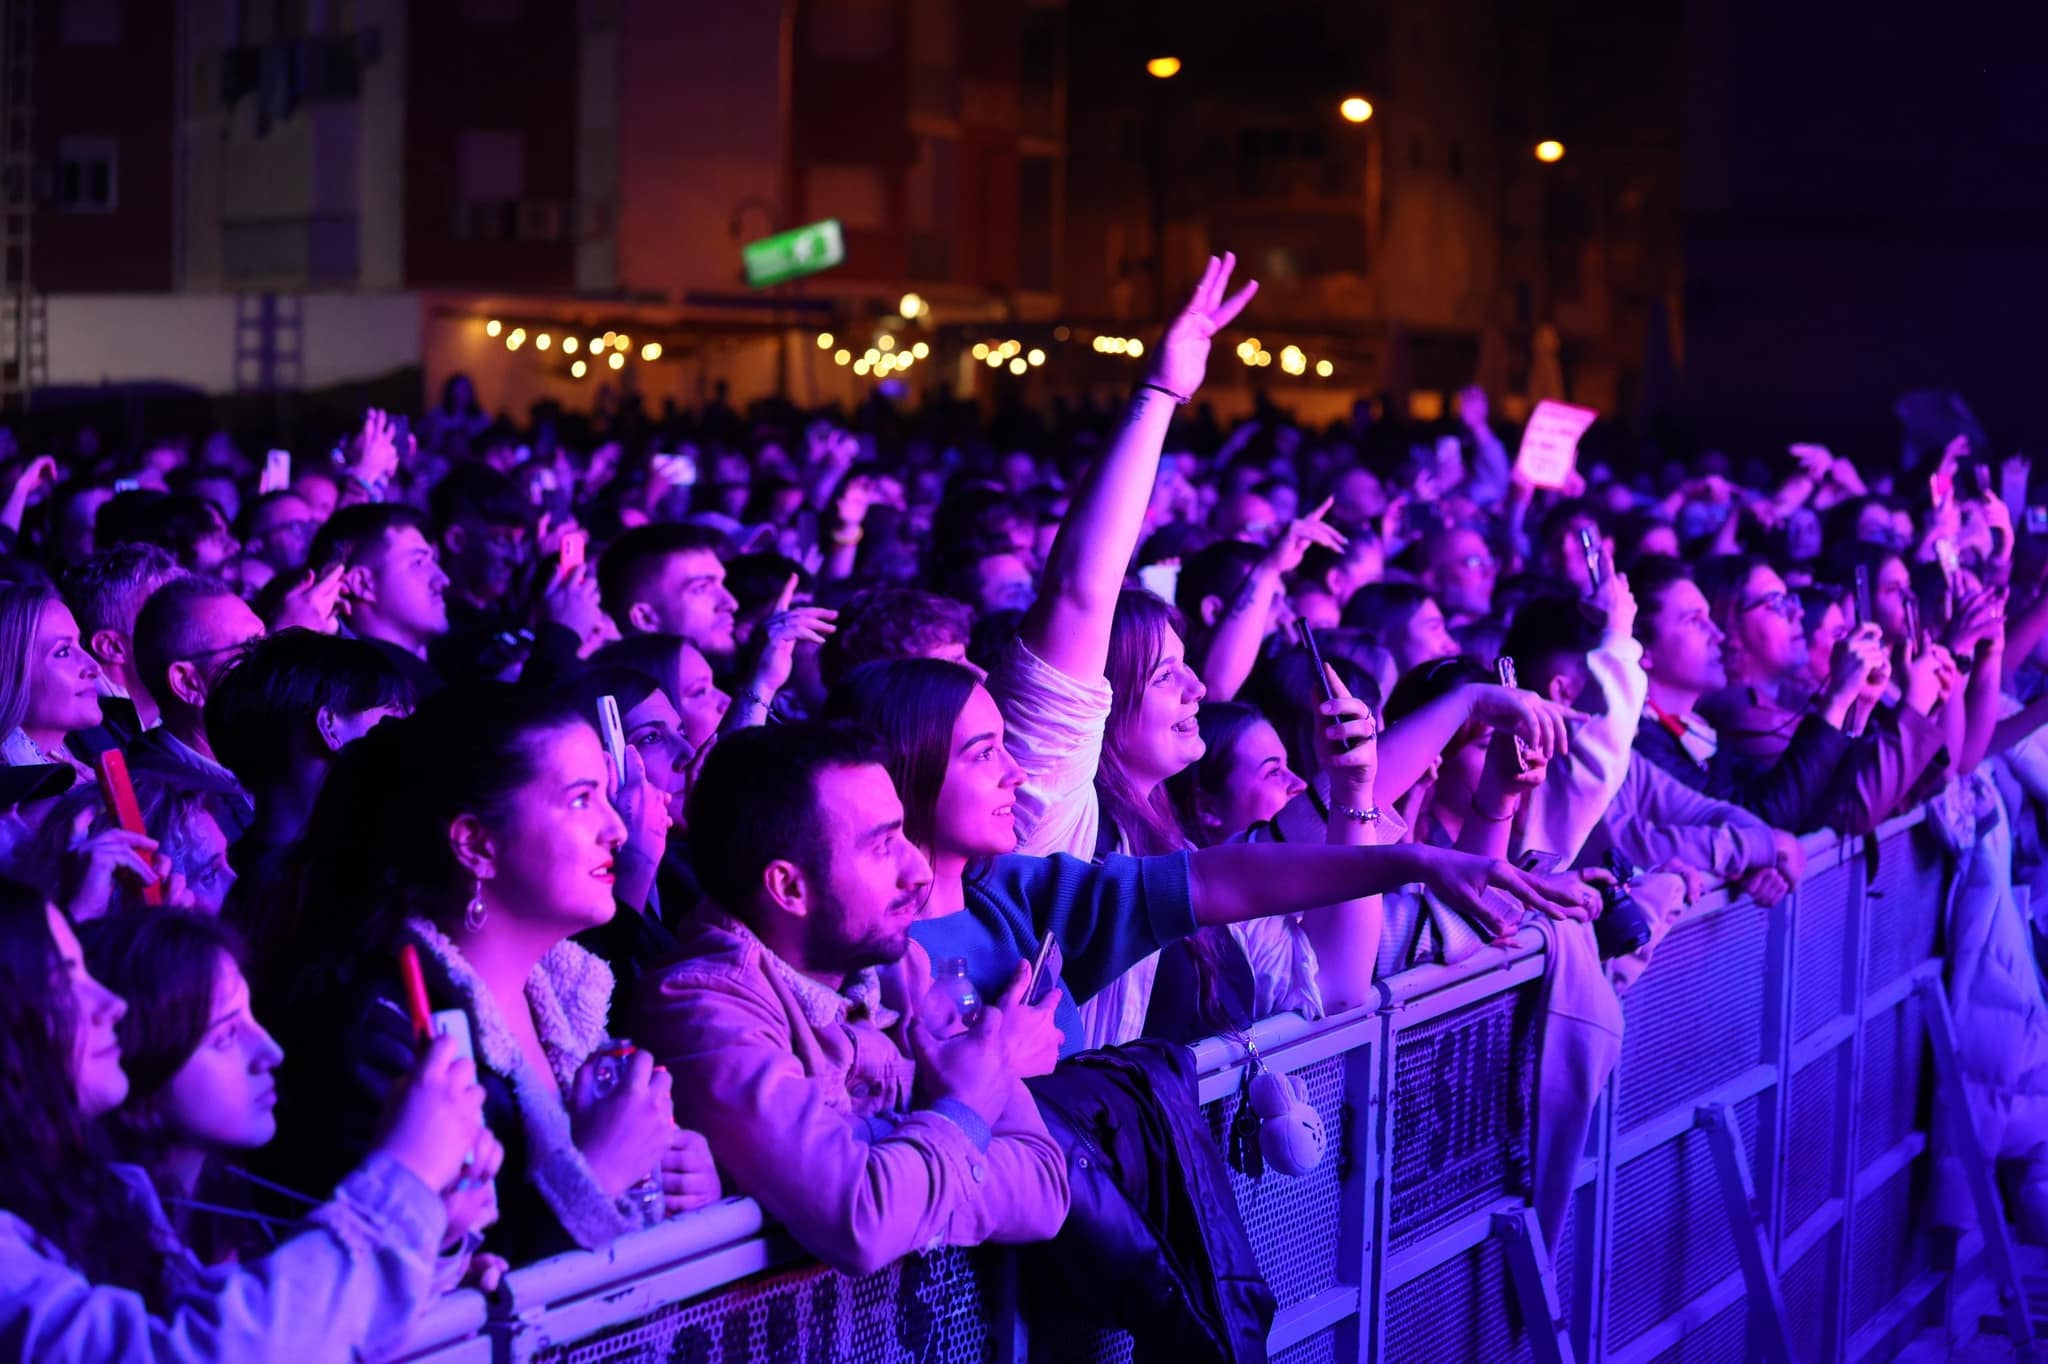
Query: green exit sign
[800,251]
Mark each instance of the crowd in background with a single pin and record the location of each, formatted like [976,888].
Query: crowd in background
[953,765]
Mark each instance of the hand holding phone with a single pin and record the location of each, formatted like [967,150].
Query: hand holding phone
[1045,969]
[1864,616]
[575,544]
[1504,668]
[1596,557]
[277,472]
[1307,636]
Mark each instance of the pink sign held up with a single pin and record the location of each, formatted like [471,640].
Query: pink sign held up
[1550,443]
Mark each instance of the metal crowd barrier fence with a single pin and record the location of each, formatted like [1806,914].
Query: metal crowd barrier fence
[1755,1186]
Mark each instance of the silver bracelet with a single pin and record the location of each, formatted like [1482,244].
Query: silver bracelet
[1369,815]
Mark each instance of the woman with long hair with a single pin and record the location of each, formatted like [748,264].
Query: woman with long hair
[49,683]
[482,832]
[943,741]
[1102,706]
[87,1255]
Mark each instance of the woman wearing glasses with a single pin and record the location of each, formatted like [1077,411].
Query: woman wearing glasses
[1771,692]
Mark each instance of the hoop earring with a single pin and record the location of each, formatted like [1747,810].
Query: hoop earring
[473,917]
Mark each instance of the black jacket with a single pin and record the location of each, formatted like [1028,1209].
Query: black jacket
[1791,794]
[1154,1243]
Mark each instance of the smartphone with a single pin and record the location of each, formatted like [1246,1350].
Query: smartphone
[1162,580]
[1537,861]
[1864,615]
[679,470]
[1041,977]
[277,472]
[1982,476]
[1916,637]
[119,793]
[1504,668]
[1596,557]
[127,485]
[1315,663]
[2037,520]
[575,543]
[453,1023]
[613,732]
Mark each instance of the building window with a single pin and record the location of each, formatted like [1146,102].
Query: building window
[88,179]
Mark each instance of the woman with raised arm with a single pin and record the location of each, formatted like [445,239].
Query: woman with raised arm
[943,742]
[1101,704]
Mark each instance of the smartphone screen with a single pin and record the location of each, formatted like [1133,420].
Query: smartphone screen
[575,543]
[1863,612]
[1042,977]
[1596,562]
[613,732]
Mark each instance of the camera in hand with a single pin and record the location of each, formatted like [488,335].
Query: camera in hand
[1624,925]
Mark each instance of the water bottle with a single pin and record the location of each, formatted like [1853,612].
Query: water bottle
[952,1005]
[1623,926]
[608,1070]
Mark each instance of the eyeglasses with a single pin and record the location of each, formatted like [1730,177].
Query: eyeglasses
[1475,563]
[1782,603]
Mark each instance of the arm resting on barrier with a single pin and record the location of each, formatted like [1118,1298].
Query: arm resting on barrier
[854,1198]
[355,1277]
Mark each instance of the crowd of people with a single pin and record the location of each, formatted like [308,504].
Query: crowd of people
[548,830]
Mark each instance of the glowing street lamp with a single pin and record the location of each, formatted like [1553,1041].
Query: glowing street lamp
[1356,109]
[1163,68]
[1549,150]
[911,305]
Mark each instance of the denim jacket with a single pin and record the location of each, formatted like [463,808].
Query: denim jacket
[354,1277]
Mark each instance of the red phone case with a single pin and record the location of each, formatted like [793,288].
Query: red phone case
[119,793]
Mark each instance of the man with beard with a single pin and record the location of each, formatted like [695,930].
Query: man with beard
[482,527]
[792,1021]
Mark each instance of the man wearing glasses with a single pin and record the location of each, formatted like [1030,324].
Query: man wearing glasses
[191,631]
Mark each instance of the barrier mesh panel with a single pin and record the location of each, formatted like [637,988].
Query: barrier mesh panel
[1821,969]
[1887,1245]
[1294,1222]
[1564,1267]
[1051,1345]
[1895,1076]
[1464,1309]
[1696,1018]
[1320,1348]
[920,1310]
[1461,1113]
[1721,1339]
[1813,1148]
[1905,905]
[1807,1300]
[1671,1240]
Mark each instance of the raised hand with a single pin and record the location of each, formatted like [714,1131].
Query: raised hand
[313,603]
[1542,725]
[1031,1039]
[1618,603]
[782,632]
[374,456]
[1348,745]
[1184,352]
[1297,535]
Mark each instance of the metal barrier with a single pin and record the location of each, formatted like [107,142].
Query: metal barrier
[1754,1187]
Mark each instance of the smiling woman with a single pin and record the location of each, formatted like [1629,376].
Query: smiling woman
[481,832]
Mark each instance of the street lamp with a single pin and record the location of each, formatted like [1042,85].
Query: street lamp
[1163,68]
[1355,109]
[1549,150]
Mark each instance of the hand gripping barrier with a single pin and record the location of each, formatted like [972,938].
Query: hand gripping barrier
[1753,1188]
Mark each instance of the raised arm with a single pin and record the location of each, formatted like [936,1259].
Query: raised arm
[1068,626]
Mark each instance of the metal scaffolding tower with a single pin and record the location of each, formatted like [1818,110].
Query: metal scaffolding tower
[22,349]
